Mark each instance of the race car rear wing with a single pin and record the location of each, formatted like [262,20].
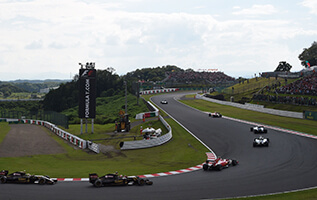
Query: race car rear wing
[211,156]
[4,172]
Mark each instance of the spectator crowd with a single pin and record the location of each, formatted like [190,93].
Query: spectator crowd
[192,76]
[304,86]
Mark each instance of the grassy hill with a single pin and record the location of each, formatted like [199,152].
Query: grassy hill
[244,91]
[107,109]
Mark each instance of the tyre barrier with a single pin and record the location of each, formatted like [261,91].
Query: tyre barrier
[93,146]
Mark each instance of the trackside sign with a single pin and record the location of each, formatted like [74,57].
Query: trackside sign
[310,115]
[87,93]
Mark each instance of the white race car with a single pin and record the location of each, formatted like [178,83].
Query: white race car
[261,142]
[215,114]
[258,129]
[164,102]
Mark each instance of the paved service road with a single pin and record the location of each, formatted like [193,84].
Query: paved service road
[289,163]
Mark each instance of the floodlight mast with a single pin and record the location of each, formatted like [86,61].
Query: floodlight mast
[88,65]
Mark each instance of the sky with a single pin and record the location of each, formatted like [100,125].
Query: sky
[44,39]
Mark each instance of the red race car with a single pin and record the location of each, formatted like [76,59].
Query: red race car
[218,164]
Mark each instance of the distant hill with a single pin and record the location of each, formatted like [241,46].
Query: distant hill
[33,85]
[38,81]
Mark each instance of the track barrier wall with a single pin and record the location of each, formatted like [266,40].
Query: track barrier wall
[253,107]
[148,114]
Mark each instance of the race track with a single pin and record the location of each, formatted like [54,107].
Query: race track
[290,163]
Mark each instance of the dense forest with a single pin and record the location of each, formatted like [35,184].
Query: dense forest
[152,74]
[7,89]
[16,86]
[108,84]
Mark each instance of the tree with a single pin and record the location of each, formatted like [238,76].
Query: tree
[309,55]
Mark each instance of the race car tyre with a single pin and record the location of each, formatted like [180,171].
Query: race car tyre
[251,129]
[209,115]
[42,181]
[254,144]
[234,162]
[265,131]
[219,167]
[98,183]
[141,182]
[205,167]
[3,180]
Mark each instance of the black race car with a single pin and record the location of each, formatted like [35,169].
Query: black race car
[115,179]
[258,129]
[261,142]
[215,115]
[23,177]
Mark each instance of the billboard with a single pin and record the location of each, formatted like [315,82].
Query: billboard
[87,93]
[310,115]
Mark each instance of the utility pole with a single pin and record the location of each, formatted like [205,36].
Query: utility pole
[126,101]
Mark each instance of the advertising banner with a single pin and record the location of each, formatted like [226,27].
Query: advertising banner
[311,115]
[87,93]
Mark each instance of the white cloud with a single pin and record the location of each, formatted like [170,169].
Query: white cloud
[256,10]
[311,5]
[43,35]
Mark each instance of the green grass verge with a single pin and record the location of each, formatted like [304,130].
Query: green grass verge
[181,152]
[4,129]
[110,137]
[303,195]
[302,125]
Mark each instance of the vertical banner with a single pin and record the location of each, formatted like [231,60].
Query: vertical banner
[87,93]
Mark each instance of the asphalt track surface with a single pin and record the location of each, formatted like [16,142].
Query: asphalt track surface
[289,163]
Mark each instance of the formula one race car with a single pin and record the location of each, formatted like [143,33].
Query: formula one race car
[215,114]
[258,129]
[218,164]
[22,177]
[261,142]
[115,179]
[164,102]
